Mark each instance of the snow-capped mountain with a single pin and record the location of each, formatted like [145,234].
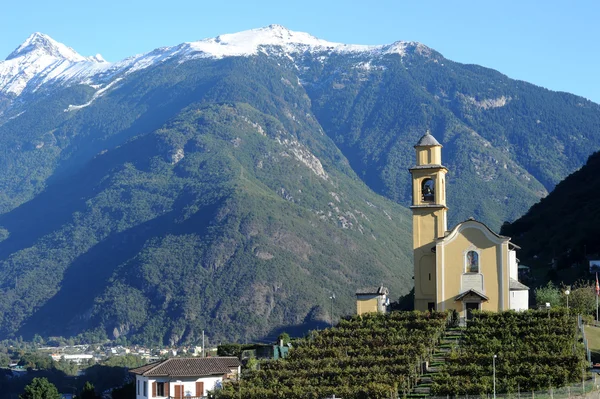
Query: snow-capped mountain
[40,60]
[245,166]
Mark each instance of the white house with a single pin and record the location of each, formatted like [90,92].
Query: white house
[184,377]
[519,293]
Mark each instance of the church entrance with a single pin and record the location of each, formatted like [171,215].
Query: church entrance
[470,306]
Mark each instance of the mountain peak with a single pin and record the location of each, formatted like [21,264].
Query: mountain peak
[249,41]
[39,44]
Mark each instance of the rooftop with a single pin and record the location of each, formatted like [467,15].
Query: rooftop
[514,285]
[188,367]
[381,290]
[427,141]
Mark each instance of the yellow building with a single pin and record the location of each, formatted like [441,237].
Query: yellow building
[467,267]
[371,300]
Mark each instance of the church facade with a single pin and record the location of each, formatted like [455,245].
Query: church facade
[465,268]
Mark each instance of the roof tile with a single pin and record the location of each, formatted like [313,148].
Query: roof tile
[188,367]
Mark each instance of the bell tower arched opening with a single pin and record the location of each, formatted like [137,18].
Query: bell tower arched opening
[428,190]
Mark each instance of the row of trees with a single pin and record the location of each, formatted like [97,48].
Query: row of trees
[581,298]
[370,356]
[533,350]
[41,388]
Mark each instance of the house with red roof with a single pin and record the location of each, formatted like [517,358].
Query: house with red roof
[184,377]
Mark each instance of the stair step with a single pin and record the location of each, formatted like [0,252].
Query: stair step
[433,369]
[425,380]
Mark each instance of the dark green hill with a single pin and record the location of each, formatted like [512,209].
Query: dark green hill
[562,229]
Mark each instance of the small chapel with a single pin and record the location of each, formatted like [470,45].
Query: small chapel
[467,267]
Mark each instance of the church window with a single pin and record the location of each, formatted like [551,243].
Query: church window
[428,190]
[472,265]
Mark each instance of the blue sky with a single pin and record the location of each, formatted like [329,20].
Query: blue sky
[554,44]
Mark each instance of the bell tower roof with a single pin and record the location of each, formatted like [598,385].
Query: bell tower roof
[427,141]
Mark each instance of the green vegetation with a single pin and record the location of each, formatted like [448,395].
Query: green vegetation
[371,356]
[548,294]
[535,350]
[159,248]
[88,391]
[506,142]
[40,388]
[592,334]
[558,234]
[71,378]
[234,195]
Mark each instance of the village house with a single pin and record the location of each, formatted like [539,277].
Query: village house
[184,377]
[372,299]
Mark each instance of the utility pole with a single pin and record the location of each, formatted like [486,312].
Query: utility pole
[332,297]
[203,352]
[494,368]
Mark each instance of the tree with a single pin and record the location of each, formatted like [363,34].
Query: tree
[582,298]
[284,337]
[88,391]
[40,388]
[35,360]
[548,294]
[127,391]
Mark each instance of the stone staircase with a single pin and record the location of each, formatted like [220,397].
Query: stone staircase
[451,339]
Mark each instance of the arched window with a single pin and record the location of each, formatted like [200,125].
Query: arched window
[428,190]
[472,261]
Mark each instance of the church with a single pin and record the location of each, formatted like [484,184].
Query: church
[467,267]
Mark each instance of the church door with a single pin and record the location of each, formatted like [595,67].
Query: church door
[470,306]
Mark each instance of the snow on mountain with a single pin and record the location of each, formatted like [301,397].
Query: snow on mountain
[39,45]
[251,41]
[41,60]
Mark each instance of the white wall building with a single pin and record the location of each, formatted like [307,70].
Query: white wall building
[184,377]
[519,293]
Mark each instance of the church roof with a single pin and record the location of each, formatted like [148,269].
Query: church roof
[470,292]
[514,285]
[427,141]
[477,223]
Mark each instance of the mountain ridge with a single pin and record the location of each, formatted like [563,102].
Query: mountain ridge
[148,204]
[81,69]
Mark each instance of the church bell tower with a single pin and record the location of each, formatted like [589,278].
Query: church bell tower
[429,218]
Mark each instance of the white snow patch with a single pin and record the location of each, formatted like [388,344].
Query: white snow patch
[41,60]
[94,97]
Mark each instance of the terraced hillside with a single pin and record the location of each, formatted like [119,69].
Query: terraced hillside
[372,356]
[535,350]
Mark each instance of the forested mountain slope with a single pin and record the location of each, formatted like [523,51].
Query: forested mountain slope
[232,184]
[562,229]
[222,219]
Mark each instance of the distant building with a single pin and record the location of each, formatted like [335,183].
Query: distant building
[274,352]
[184,377]
[466,268]
[72,358]
[372,300]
